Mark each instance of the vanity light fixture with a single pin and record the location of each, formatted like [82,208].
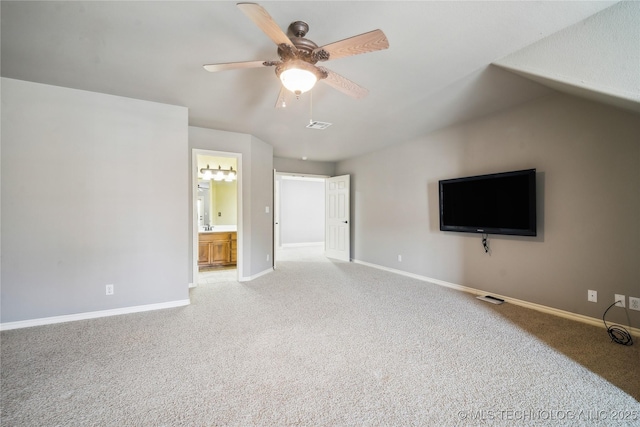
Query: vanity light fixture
[218,174]
[231,175]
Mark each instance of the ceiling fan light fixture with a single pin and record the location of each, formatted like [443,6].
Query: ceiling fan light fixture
[296,67]
[297,80]
[298,76]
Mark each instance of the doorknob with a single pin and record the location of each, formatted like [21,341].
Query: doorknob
[345,222]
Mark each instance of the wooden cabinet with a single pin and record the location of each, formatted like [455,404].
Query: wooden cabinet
[217,249]
[234,248]
[203,253]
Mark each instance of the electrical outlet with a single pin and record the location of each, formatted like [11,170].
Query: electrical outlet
[592,296]
[400,258]
[268,256]
[619,300]
[634,303]
[109,289]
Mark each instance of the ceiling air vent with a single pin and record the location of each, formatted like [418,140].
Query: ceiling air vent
[318,125]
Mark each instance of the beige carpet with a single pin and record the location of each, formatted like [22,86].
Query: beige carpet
[319,343]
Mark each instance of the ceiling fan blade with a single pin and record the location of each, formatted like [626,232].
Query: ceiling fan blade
[363,43]
[344,85]
[281,102]
[265,22]
[234,66]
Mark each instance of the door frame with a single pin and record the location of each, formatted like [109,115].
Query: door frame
[195,152]
[276,203]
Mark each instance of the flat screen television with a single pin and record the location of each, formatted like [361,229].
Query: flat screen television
[499,203]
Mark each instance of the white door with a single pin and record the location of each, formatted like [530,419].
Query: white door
[337,222]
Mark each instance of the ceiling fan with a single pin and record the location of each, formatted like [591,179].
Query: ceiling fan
[297,67]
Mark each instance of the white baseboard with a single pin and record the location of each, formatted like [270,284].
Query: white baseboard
[255,276]
[91,315]
[514,301]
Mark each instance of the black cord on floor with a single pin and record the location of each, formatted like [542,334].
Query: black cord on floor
[618,334]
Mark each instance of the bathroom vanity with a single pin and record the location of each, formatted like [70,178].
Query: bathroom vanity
[217,248]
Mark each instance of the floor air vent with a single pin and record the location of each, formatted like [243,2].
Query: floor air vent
[318,125]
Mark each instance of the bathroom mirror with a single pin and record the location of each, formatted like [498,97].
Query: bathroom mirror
[217,200]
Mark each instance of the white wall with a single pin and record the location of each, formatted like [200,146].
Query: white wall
[597,58]
[588,161]
[302,210]
[94,192]
[261,206]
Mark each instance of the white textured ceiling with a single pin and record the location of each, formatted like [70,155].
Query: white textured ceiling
[436,72]
[599,58]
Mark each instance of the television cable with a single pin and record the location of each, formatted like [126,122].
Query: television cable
[618,334]
[485,243]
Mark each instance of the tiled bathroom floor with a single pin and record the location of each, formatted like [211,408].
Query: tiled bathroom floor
[216,276]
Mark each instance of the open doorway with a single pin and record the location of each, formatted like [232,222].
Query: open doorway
[217,211]
[299,215]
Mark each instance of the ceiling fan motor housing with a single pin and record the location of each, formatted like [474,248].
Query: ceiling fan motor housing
[306,49]
[298,29]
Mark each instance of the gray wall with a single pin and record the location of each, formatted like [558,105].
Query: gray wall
[304,167]
[588,161]
[302,211]
[93,193]
[261,198]
[257,194]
